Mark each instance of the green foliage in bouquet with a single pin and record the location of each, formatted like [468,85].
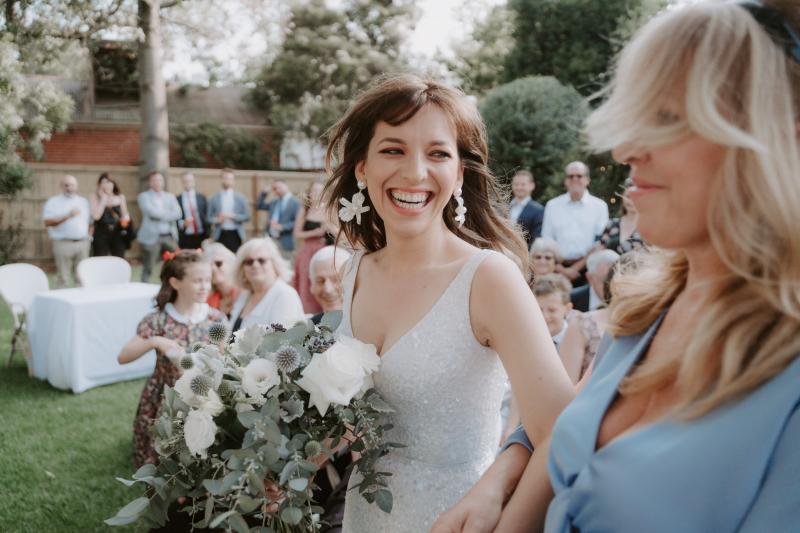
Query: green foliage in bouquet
[241,434]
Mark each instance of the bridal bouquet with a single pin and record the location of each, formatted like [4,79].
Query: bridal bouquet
[247,425]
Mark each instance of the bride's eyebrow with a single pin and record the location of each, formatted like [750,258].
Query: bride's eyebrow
[393,140]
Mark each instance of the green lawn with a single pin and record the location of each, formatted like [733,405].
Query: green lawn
[60,452]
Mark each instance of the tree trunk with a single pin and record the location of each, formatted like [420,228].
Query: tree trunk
[154,147]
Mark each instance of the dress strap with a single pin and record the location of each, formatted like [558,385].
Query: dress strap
[348,287]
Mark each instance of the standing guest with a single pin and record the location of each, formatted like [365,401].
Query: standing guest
[111,217]
[67,218]
[690,421]
[592,296]
[326,282]
[228,211]
[223,291]
[282,214]
[192,225]
[157,232]
[524,211]
[182,317]
[310,231]
[266,298]
[620,234]
[544,257]
[575,220]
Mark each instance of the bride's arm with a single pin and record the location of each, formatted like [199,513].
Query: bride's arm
[479,510]
[527,508]
[506,316]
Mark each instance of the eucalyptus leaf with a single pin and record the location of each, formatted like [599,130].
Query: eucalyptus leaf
[298,484]
[377,403]
[146,470]
[220,518]
[214,486]
[298,333]
[292,515]
[384,500]
[130,513]
[231,479]
[249,418]
[289,469]
[331,320]
[127,482]
[270,343]
[248,504]
[237,522]
[256,483]
[209,510]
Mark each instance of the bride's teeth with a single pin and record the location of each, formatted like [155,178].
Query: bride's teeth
[410,197]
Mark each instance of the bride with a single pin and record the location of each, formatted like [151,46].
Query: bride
[430,290]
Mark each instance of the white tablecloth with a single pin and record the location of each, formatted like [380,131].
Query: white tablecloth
[76,334]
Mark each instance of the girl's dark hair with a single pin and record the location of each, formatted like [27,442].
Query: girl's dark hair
[105,176]
[175,267]
[394,100]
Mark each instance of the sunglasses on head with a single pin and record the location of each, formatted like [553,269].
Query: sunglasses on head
[250,261]
[543,256]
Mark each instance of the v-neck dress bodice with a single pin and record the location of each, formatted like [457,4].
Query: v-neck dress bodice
[445,389]
[736,468]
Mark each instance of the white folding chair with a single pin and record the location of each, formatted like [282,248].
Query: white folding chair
[107,270]
[19,283]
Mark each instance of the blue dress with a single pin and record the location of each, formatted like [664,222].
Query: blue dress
[734,469]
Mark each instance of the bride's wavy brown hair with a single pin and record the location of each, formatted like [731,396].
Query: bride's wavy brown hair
[741,91]
[394,100]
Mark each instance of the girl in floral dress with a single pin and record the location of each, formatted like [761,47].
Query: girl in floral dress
[180,319]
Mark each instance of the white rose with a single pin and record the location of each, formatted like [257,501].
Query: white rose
[246,341]
[199,431]
[259,377]
[340,373]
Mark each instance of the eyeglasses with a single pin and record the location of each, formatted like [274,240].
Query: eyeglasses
[575,176]
[250,261]
[218,264]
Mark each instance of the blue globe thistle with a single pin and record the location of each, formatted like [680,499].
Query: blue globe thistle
[196,346]
[187,362]
[287,359]
[200,384]
[313,448]
[218,332]
[226,388]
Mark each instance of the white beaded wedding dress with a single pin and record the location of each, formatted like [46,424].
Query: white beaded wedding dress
[445,389]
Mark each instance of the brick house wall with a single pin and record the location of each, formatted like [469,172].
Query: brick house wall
[92,143]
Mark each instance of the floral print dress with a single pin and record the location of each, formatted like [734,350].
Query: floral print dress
[183,330]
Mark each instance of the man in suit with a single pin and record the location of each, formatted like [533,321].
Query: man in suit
[157,233]
[282,214]
[192,225]
[593,295]
[228,211]
[524,211]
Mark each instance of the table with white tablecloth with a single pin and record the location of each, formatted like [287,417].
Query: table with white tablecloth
[76,334]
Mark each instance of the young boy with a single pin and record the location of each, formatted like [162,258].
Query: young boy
[552,293]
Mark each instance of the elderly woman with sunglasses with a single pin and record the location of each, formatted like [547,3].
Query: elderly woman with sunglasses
[266,296]
[223,291]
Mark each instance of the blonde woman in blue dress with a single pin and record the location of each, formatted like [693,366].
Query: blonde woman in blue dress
[434,290]
[690,421]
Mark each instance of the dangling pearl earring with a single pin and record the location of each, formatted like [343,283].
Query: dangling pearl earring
[461,211]
[355,207]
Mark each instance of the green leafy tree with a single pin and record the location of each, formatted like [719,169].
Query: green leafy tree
[197,146]
[533,123]
[478,61]
[327,56]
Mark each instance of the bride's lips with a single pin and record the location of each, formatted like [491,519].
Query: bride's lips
[642,187]
[409,202]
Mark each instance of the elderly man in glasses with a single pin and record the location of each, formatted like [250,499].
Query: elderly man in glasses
[574,220]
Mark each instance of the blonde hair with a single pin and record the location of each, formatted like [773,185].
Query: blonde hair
[546,245]
[280,264]
[553,284]
[740,90]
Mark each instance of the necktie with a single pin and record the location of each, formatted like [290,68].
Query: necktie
[195,229]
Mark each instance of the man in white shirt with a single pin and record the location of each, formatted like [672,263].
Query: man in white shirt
[574,220]
[192,225]
[67,218]
[228,211]
[523,210]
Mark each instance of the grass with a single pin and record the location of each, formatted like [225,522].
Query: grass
[60,452]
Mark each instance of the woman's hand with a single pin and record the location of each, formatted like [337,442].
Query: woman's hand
[166,346]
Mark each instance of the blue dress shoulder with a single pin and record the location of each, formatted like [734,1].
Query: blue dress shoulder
[734,469]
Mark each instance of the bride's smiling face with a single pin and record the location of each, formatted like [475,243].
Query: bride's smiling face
[411,171]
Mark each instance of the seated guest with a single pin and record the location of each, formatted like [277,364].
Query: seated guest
[620,234]
[223,290]
[266,298]
[544,257]
[326,282]
[591,296]
[181,318]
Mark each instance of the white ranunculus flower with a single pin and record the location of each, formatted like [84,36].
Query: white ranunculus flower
[340,373]
[199,431]
[212,404]
[246,341]
[258,377]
